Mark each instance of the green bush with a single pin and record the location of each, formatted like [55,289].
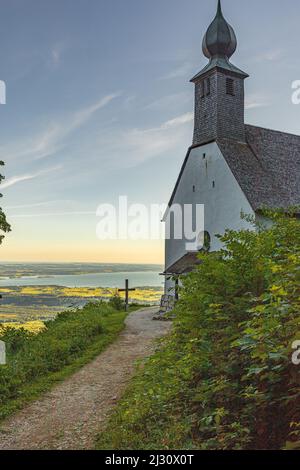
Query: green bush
[15,339]
[224,378]
[116,302]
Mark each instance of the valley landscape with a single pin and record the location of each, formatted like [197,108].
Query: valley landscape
[33,293]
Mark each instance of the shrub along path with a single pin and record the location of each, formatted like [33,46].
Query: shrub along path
[71,415]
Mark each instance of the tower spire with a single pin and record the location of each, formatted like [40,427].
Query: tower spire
[219,86]
[219,39]
[219,44]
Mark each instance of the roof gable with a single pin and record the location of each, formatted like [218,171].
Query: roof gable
[267,167]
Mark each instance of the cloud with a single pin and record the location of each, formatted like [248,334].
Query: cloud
[130,99]
[40,204]
[29,176]
[155,140]
[82,116]
[169,101]
[183,119]
[56,55]
[139,145]
[52,139]
[58,207]
[53,214]
[256,101]
[178,72]
[271,55]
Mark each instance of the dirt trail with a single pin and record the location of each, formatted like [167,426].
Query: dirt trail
[72,413]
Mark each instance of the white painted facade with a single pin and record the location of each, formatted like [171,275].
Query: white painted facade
[208,180]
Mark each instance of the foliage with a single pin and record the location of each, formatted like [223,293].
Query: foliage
[116,302]
[35,361]
[224,378]
[4,225]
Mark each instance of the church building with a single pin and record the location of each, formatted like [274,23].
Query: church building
[231,167]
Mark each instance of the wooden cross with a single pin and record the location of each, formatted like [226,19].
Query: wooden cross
[126,290]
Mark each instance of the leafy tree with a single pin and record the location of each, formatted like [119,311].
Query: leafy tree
[242,305]
[4,225]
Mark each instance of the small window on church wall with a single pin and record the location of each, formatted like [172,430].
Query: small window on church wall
[230,86]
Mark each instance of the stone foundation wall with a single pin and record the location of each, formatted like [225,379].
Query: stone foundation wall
[167,303]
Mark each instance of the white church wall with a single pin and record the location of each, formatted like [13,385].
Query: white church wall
[263,221]
[208,180]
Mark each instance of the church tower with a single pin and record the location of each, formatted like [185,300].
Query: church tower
[231,168]
[219,87]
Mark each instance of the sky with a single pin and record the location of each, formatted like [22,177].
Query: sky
[99,105]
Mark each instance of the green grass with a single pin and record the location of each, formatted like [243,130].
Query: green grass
[36,362]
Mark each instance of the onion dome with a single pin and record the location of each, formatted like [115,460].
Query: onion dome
[219,44]
[220,39]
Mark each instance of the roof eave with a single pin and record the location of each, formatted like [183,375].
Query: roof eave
[222,64]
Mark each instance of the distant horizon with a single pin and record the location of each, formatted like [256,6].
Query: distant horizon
[81,262]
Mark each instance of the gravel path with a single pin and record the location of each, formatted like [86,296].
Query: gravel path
[73,412]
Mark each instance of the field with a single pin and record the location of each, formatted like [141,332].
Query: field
[29,306]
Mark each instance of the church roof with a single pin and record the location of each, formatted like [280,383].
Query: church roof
[221,63]
[184,265]
[266,166]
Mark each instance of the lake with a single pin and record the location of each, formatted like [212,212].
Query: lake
[111,279]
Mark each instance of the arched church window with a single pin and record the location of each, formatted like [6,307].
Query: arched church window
[203,241]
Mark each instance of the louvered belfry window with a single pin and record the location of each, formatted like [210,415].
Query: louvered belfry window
[205,88]
[230,86]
